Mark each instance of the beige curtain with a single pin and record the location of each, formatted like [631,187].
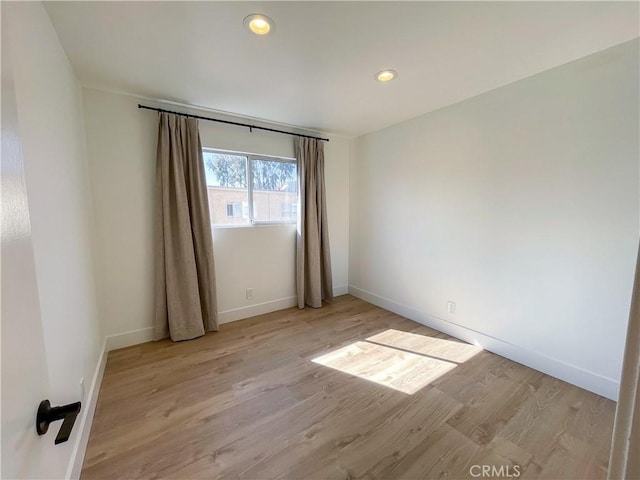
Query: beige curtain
[624,463]
[313,259]
[185,283]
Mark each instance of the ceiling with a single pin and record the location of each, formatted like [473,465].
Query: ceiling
[316,70]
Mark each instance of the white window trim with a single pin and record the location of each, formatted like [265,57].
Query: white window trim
[249,154]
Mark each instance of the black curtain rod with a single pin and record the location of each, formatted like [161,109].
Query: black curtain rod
[250,127]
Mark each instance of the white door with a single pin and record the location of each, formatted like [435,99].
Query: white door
[25,379]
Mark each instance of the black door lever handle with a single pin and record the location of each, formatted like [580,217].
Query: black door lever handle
[47,414]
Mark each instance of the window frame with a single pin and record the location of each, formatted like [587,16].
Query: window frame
[249,169]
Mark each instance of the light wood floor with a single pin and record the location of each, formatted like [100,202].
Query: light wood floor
[343,392]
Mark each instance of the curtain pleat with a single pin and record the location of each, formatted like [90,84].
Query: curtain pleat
[313,258]
[185,283]
[624,462]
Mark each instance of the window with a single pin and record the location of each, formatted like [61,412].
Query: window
[250,189]
[234,209]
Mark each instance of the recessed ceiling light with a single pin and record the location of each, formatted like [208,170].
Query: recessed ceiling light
[385,75]
[259,24]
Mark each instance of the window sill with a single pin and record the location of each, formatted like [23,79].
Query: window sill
[254,225]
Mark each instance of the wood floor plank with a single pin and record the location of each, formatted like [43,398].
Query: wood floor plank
[342,392]
[317,445]
[490,408]
[446,453]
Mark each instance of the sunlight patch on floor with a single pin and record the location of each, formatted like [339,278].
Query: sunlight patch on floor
[404,361]
[449,350]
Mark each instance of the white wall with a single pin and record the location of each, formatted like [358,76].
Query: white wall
[121,142]
[49,111]
[520,205]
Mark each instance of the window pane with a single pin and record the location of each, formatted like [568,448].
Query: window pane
[227,188]
[275,187]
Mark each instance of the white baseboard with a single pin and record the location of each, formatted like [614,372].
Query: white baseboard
[343,290]
[127,339]
[86,420]
[268,307]
[256,309]
[607,387]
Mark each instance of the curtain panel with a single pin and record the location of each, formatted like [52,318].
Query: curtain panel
[185,288]
[313,258]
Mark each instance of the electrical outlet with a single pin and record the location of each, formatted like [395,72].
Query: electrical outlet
[249,293]
[451,308]
[82,389]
